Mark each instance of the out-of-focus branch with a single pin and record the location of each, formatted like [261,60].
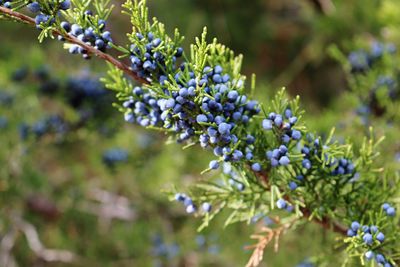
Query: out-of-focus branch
[6,245]
[34,243]
[110,206]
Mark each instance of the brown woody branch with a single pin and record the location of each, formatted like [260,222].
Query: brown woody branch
[73,40]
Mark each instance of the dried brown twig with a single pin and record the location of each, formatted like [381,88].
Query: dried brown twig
[264,237]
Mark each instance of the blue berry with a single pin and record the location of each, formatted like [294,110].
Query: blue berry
[191,209]
[76,29]
[214,164]
[369,255]
[224,128]
[278,120]
[380,258]
[180,197]
[284,161]
[351,233]
[256,167]
[292,185]
[355,226]
[296,135]
[380,237]
[281,204]
[65,5]
[385,206]
[34,7]
[368,239]
[206,207]
[374,229]
[240,186]
[391,211]
[201,118]
[306,163]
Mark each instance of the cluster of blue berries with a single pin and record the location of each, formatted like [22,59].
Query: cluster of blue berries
[92,36]
[361,60]
[389,83]
[86,90]
[53,124]
[379,258]
[163,250]
[283,123]
[369,235]
[44,16]
[283,204]
[337,166]
[391,91]
[150,63]
[82,91]
[190,206]
[313,148]
[95,36]
[143,108]
[388,209]
[279,156]
[343,167]
[215,114]
[115,155]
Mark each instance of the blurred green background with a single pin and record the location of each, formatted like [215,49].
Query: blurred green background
[61,184]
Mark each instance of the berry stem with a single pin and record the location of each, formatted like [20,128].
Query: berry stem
[71,39]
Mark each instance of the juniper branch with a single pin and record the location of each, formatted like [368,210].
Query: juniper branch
[325,222]
[71,39]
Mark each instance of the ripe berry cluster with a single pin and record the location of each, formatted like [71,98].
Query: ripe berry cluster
[282,124]
[53,124]
[148,57]
[207,108]
[388,209]
[160,248]
[361,60]
[387,86]
[94,35]
[369,236]
[278,156]
[277,122]
[45,16]
[338,166]
[190,206]
[283,204]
